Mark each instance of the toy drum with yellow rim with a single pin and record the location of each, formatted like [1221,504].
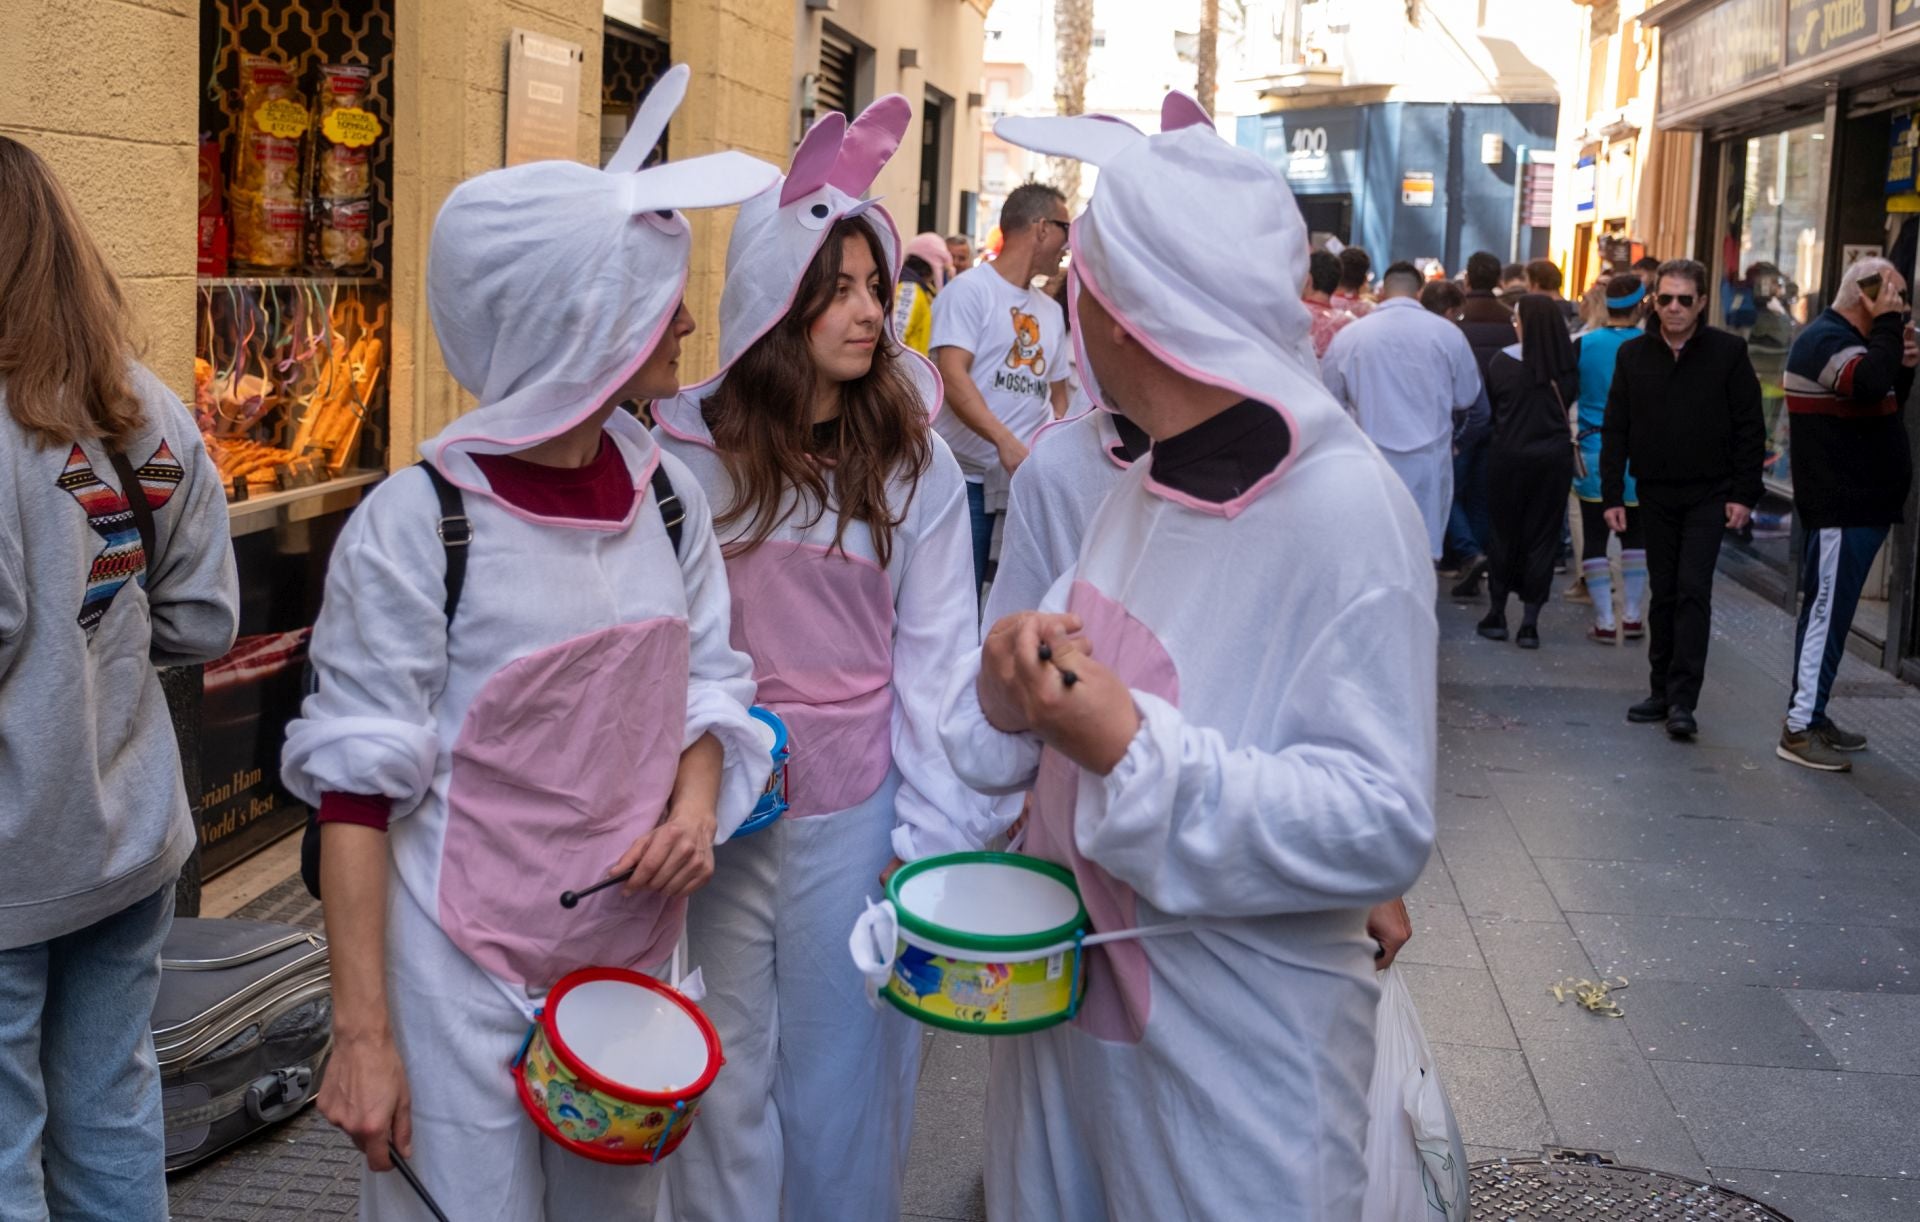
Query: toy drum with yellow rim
[614,1065]
[987,943]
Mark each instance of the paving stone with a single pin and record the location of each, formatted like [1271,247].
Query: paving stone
[1827,1198]
[1494,1098]
[1721,1024]
[1526,959]
[1441,936]
[1812,891]
[1825,1122]
[949,1150]
[1779,954]
[954,1062]
[1865,1032]
[1457,1005]
[1602,1098]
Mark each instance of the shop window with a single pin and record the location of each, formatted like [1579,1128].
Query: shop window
[1769,282]
[292,340]
[631,60]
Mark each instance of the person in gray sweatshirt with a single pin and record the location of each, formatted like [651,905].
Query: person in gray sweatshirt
[96,587]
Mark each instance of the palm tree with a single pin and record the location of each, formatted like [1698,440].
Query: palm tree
[1207,54]
[1073,42]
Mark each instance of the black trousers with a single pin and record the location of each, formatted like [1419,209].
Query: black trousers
[1683,544]
[1527,506]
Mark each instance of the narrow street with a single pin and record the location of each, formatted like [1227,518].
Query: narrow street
[1766,918]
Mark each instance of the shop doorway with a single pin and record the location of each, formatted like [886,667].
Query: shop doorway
[1327,216]
[933,147]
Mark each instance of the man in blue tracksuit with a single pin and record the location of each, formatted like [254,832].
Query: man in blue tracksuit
[1847,380]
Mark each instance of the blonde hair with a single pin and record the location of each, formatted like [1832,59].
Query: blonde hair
[65,354]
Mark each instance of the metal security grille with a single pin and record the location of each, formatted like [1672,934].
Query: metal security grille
[1540,1189]
[304,33]
[834,84]
[630,62]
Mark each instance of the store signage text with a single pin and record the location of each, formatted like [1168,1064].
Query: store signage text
[1905,13]
[1416,188]
[1307,159]
[1727,46]
[1815,27]
[1316,149]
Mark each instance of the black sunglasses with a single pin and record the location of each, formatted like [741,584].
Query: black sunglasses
[1667,299]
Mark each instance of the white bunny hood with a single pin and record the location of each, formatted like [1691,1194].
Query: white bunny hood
[778,233]
[550,283]
[1214,294]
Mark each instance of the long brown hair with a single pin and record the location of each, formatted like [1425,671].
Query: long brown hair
[762,427]
[65,355]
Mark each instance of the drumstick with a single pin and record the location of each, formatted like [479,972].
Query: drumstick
[570,898]
[1066,676]
[413,1181]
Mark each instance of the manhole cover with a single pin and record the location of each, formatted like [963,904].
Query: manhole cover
[1521,1189]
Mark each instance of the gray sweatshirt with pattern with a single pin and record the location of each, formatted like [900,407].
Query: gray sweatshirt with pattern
[93,814]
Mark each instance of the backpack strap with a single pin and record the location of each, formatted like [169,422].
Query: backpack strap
[672,513]
[136,494]
[456,532]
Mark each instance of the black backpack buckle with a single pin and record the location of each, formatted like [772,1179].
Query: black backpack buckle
[456,530]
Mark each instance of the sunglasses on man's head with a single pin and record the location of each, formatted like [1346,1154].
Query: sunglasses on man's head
[1685,300]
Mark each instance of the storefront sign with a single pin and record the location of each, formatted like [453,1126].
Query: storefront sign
[1416,189]
[1901,154]
[1318,150]
[1906,13]
[1585,185]
[543,99]
[1815,27]
[1729,45]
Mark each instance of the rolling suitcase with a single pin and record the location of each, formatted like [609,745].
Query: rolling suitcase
[243,1027]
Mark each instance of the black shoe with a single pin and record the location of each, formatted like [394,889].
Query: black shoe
[1493,627]
[1469,584]
[1528,637]
[1680,723]
[1653,708]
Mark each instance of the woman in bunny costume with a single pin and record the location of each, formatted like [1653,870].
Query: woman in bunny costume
[849,556]
[524,744]
[1245,772]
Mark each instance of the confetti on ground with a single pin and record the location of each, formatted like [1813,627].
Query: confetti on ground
[1596,997]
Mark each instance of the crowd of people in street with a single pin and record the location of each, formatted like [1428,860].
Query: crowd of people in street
[1040,551]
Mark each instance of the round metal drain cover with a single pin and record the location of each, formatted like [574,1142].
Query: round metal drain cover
[1519,1190]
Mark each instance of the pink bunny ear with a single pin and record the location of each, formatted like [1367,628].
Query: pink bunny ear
[813,160]
[869,143]
[1182,109]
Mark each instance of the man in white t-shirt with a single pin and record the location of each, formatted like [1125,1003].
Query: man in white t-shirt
[1001,345]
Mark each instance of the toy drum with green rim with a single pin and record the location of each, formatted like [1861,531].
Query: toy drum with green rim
[988,943]
[614,1065]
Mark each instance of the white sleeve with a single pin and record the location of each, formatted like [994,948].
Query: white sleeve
[720,686]
[1339,814]
[934,625]
[989,760]
[1332,372]
[1027,565]
[960,316]
[379,653]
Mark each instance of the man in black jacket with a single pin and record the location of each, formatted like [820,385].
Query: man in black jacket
[1488,324]
[1848,377]
[1684,409]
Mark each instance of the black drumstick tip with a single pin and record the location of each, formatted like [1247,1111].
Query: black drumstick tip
[569,899]
[1069,678]
[1046,652]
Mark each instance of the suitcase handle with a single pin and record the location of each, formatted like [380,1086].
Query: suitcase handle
[251,955]
[279,1094]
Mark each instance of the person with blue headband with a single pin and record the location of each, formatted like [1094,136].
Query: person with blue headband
[1597,350]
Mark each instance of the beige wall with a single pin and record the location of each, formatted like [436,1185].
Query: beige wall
[450,124]
[741,97]
[949,36]
[106,91]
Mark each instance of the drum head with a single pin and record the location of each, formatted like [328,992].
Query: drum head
[990,899]
[638,1038]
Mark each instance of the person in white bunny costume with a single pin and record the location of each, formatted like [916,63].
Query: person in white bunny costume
[843,519]
[580,712]
[1242,764]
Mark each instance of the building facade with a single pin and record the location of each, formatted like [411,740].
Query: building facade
[1806,114]
[1413,129]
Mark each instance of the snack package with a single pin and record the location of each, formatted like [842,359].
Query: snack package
[338,239]
[266,232]
[213,211]
[273,123]
[346,131]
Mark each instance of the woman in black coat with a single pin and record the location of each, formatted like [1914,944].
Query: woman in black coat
[1529,466]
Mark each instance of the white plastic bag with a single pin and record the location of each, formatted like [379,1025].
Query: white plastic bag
[1416,1164]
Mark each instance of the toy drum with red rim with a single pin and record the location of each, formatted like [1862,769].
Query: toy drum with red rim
[614,1065]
